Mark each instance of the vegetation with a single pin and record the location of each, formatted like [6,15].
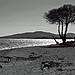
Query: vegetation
[62,17]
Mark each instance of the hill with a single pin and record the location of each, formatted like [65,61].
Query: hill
[37,35]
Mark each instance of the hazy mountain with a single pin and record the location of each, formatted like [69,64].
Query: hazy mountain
[37,35]
[71,35]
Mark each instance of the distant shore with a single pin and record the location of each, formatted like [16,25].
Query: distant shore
[38,35]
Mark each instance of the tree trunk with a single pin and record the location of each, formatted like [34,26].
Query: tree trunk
[61,34]
[62,29]
[64,38]
[59,29]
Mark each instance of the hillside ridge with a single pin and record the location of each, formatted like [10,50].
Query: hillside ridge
[37,35]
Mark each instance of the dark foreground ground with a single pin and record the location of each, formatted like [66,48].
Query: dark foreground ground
[29,61]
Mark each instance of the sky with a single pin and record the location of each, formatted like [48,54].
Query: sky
[20,16]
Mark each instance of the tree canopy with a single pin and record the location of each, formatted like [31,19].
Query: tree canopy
[63,16]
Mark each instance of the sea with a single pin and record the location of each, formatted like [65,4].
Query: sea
[19,43]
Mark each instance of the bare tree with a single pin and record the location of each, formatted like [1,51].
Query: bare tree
[62,17]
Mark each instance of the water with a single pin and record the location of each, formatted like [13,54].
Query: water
[18,43]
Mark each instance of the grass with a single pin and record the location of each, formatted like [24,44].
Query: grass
[32,67]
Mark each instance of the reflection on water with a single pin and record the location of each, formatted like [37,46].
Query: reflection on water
[18,43]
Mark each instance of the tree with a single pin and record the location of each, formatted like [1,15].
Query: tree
[62,17]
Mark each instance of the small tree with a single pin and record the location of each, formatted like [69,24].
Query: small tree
[62,16]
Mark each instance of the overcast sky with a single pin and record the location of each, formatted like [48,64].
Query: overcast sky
[18,16]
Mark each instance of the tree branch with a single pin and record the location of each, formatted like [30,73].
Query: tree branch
[59,29]
[62,30]
[56,40]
